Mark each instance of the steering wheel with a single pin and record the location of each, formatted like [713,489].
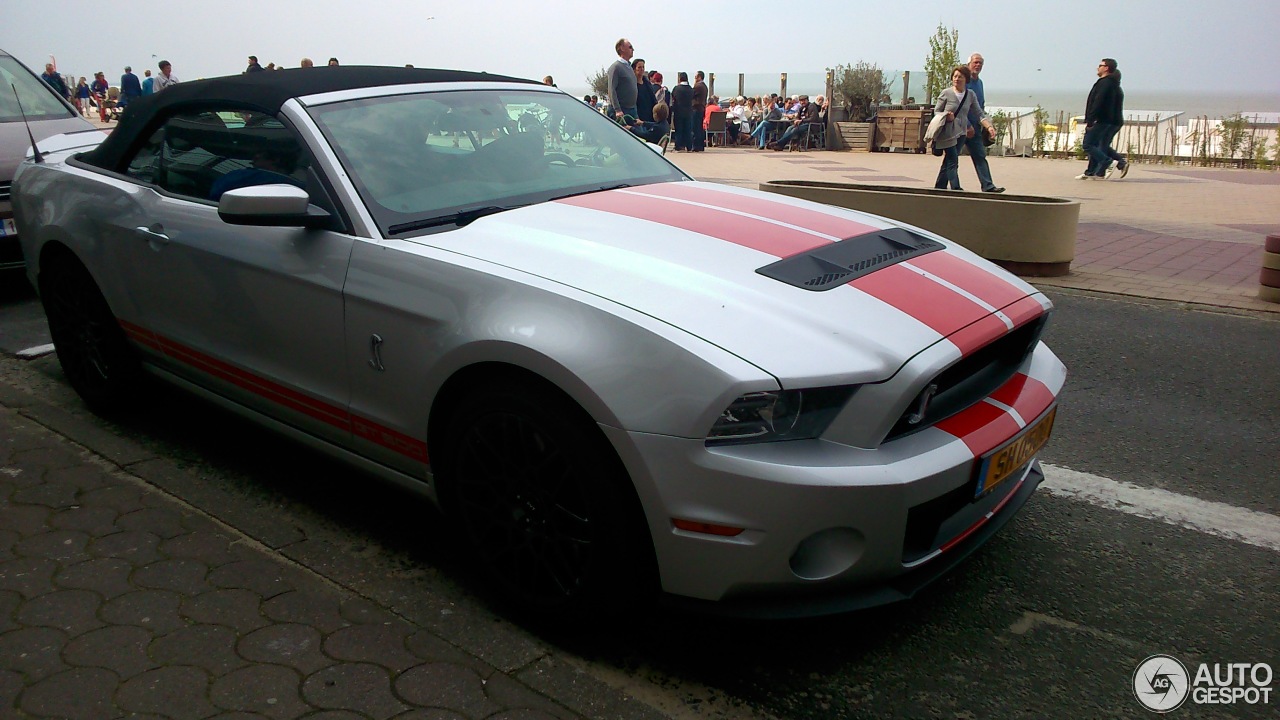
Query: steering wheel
[561,158]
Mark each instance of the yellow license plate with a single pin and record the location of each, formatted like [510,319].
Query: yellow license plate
[1003,462]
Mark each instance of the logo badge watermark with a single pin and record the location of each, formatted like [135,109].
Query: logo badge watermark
[1161,683]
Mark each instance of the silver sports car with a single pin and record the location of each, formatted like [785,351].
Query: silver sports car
[615,381]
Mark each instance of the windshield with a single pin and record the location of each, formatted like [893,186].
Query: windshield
[414,158]
[38,99]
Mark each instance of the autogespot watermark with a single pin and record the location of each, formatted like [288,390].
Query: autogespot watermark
[1162,683]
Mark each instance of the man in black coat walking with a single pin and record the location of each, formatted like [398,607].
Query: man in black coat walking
[1103,118]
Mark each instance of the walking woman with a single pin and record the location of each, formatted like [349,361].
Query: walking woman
[955,102]
[82,97]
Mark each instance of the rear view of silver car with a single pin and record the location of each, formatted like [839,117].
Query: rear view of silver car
[37,108]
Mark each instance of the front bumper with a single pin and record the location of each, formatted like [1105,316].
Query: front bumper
[828,526]
[833,598]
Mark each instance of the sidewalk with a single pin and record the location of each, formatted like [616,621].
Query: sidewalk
[1192,235]
[120,598]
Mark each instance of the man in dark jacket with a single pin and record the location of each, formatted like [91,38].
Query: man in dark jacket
[130,87]
[1103,117]
[682,111]
[700,94]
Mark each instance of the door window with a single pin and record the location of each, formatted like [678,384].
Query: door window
[201,155]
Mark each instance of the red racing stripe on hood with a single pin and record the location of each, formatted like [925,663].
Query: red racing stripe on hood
[807,218]
[755,233]
[972,337]
[980,282]
[937,306]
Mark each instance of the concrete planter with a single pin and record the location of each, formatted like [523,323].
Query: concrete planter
[1026,234]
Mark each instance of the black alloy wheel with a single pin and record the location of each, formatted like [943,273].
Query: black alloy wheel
[545,506]
[91,347]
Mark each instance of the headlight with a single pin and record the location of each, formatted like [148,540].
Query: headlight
[778,415]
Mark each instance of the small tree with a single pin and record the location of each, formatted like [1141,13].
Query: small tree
[1232,131]
[942,59]
[859,86]
[1041,134]
[1000,121]
[599,82]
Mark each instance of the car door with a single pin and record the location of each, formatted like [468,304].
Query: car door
[253,313]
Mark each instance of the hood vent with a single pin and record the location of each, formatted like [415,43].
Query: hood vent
[834,265]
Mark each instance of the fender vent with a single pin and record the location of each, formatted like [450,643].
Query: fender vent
[838,263]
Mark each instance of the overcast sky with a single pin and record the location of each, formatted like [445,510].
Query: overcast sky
[1228,46]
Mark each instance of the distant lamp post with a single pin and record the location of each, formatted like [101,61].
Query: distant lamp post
[783,90]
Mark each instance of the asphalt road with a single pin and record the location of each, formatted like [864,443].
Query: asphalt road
[1050,619]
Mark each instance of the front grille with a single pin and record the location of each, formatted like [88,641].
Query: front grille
[5,188]
[973,377]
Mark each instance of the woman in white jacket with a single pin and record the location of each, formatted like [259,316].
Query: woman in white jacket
[955,103]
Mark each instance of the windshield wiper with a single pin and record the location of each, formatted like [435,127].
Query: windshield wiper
[461,219]
[619,186]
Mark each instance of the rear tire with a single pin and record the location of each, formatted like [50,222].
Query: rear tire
[546,510]
[91,347]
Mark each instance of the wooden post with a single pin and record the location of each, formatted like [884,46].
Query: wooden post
[830,128]
[742,84]
[783,91]
[906,86]
[711,85]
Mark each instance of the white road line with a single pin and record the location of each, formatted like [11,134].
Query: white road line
[1213,518]
[35,352]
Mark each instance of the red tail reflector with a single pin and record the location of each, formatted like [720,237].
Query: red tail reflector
[706,528]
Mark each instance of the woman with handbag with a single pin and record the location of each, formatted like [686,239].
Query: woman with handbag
[953,104]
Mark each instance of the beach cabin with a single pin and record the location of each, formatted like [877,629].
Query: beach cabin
[1260,130]
[1022,128]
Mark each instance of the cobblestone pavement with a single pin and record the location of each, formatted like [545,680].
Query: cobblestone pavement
[118,599]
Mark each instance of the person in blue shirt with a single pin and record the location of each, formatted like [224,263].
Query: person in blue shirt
[130,88]
[978,118]
[147,83]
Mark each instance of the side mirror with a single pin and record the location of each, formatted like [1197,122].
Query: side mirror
[270,205]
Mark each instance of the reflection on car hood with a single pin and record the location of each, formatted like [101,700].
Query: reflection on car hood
[688,254]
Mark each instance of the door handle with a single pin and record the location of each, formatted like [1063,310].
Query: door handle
[155,233]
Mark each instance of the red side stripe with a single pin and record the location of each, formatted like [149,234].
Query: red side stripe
[1027,395]
[981,427]
[747,232]
[923,299]
[991,288]
[815,220]
[399,442]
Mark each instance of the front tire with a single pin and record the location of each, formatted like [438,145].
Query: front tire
[544,505]
[91,347]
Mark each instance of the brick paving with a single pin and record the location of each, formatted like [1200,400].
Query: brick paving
[119,600]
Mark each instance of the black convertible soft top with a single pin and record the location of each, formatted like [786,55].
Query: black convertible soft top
[261,91]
